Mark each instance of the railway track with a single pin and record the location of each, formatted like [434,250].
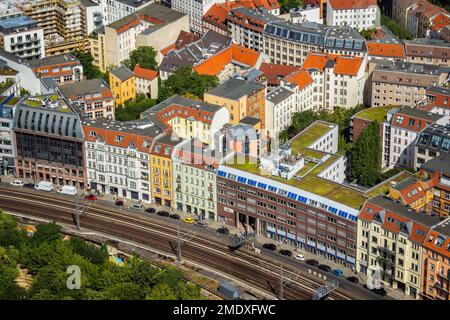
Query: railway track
[204,249]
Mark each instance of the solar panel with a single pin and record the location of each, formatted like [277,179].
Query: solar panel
[251,182]
[262,185]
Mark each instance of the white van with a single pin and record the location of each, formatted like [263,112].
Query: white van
[44,186]
[69,190]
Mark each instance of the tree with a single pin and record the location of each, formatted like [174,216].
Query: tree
[186,81]
[88,250]
[133,108]
[366,156]
[287,5]
[145,56]
[47,232]
[90,71]
[395,28]
[161,291]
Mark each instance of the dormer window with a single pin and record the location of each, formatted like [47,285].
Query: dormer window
[118,138]
[92,133]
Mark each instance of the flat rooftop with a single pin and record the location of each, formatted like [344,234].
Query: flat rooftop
[50,102]
[235,88]
[306,178]
[377,114]
[383,187]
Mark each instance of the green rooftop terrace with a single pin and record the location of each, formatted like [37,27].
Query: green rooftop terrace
[383,187]
[307,137]
[311,183]
[37,102]
[377,114]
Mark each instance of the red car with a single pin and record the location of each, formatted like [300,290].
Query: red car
[90,197]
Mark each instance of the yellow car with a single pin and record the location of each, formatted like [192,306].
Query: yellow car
[188,220]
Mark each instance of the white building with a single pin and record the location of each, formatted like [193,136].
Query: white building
[400,132]
[338,80]
[304,14]
[94,15]
[114,10]
[195,9]
[22,37]
[359,14]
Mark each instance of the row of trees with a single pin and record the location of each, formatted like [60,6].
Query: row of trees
[46,256]
[395,28]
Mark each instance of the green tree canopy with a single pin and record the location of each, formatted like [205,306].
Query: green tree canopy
[145,56]
[132,109]
[90,71]
[187,82]
[366,156]
[395,28]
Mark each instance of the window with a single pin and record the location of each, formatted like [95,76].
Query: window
[119,138]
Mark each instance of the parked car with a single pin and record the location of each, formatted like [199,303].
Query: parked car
[380,291]
[68,190]
[188,220]
[150,210]
[119,202]
[324,267]
[163,213]
[223,230]
[312,262]
[201,223]
[353,279]
[174,216]
[137,206]
[285,252]
[17,183]
[29,185]
[90,197]
[44,186]
[300,257]
[338,272]
[270,246]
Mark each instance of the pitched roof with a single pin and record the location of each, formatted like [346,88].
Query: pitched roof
[275,72]
[234,53]
[301,78]
[145,73]
[383,49]
[351,4]
[235,89]
[440,21]
[345,65]
[438,238]
[123,73]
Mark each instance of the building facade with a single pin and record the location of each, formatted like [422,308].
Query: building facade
[64,68]
[433,141]
[362,14]
[123,85]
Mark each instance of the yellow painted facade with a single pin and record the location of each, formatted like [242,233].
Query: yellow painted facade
[97,48]
[161,180]
[122,90]
[188,129]
[237,108]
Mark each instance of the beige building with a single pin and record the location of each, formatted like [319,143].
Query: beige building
[64,23]
[389,243]
[428,51]
[155,25]
[403,83]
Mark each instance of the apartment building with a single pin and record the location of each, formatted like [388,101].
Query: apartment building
[388,48]
[360,15]
[289,44]
[403,83]
[246,26]
[235,60]
[114,10]
[421,16]
[92,97]
[22,37]
[308,12]
[155,25]
[428,51]
[279,198]
[338,80]
[437,100]
[273,73]
[293,95]
[436,263]
[436,170]
[118,157]
[97,47]
[241,97]
[49,142]
[194,53]
[161,169]
[123,85]
[390,238]
[63,21]
[64,68]
[400,10]
[194,179]
[195,10]
[433,141]
[146,81]
[94,15]
[414,193]
[189,118]
[7,145]
[400,132]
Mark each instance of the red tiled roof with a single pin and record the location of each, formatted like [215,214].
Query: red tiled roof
[301,78]
[135,22]
[380,49]
[145,73]
[215,64]
[345,65]
[430,243]
[427,9]
[351,4]
[275,72]
[419,124]
[440,21]
[184,38]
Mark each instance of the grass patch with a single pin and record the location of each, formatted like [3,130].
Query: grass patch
[377,114]
[307,137]
[383,187]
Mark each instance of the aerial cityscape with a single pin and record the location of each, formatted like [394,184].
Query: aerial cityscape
[245,150]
